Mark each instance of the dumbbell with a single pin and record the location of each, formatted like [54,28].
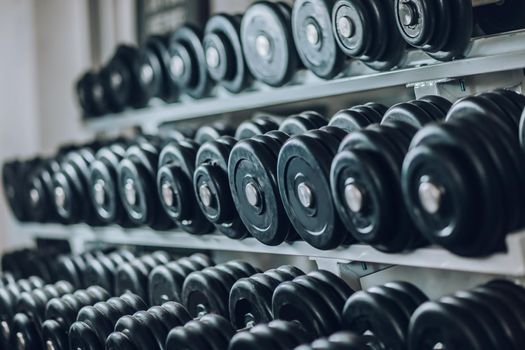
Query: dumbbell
[462,180]
[365,176]
[384,311]
[338,341]
[61,312]
[31,262]
[102,269]
[223,50]
[147,329]
[187,67]
[95,323]
[165,281]
[486,317]
[71,188]
[8,300]
[174,184]
[6,278]
[137,173]
[12,262]
[250,301]
[72,268]
[207,291]
[314,300]
[123,79]
[103,186]
[213,131]
[30,314]
[152,69]
[267,42]
[303,173]
[367,31]
[313,37]
[277,335]
[256,126]
[443,30]
[133,276]
[207,332]
[92,94]
[211,187]
[252,169]
[15,175]
[40,191]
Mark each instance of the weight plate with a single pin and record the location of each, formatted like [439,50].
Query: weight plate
[267,43]
[312,32]
[223,49]
[187,66]
[253,183]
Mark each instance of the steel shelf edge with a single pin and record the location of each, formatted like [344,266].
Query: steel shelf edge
[510,263]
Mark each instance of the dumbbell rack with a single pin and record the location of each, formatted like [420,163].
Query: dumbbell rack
[492,62]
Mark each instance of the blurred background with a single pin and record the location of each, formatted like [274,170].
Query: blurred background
[44,47]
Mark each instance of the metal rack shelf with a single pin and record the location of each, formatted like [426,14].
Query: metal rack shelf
[510,263]
[487,55]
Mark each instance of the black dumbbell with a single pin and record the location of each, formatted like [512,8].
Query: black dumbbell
[30,314]
[267,42]
[365,176]
[147,329]
[95,323]
[123,81]
[211,187]
[133,276]
[462,180]
[208,332]
[72,268]
[41,263]
[443,30]
[367,31]
[314,300]
[212,132]
[71,188]
[252,169]
[486,317]
[6,278]
[62,311]
[250,301]
[187,67]
[102,269]
[174,185]
[207,291]
[40,191]
[8,300]
[277,335]
[384,311]
[314,39]
[92,95]
[257,126]
[338,341]
[137,173]
[15,175]
[152,69]
[165,281]
[303,173]
[103,186]
[224,55]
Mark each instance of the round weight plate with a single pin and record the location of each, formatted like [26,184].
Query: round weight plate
[223,49]
[303,177]
[312,32]
[267,43]
[188,62]
[252,176]
[416,20]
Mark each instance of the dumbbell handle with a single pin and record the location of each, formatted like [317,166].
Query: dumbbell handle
[476,3]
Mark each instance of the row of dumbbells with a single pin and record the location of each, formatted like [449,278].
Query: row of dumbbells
[393,178]
[235,306]
[270,42]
